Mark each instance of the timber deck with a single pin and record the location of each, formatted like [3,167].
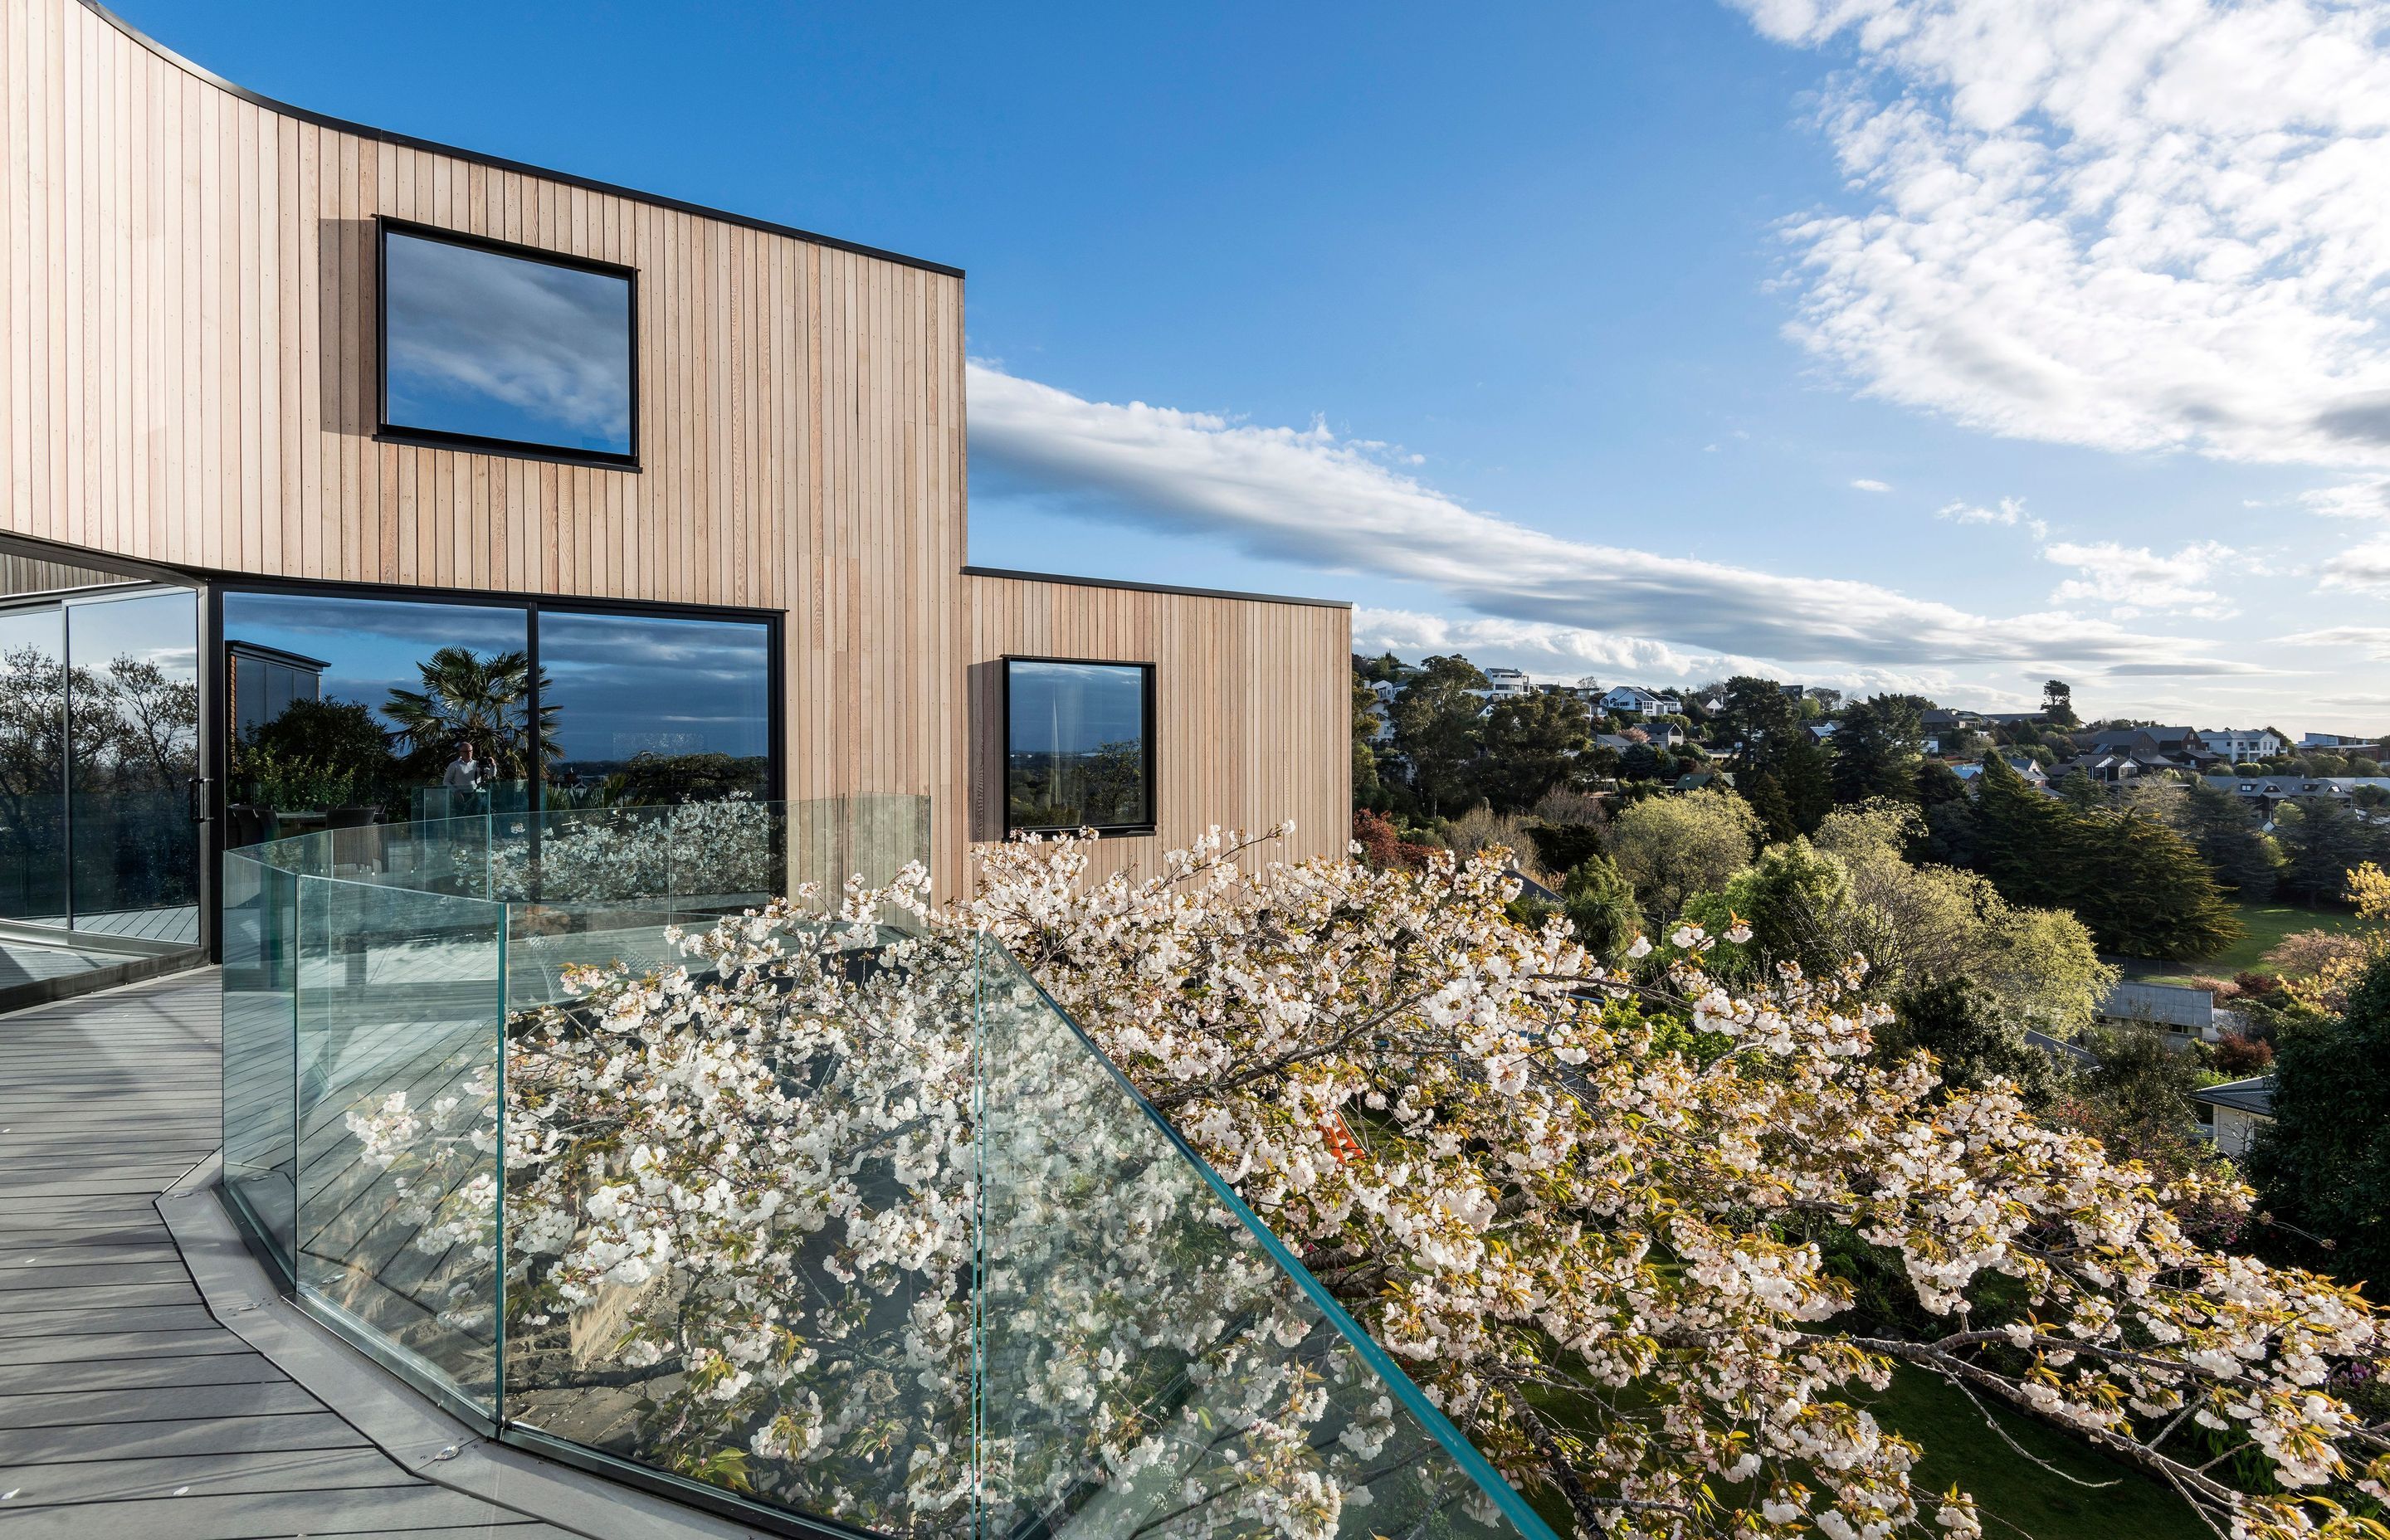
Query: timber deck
[126,1410]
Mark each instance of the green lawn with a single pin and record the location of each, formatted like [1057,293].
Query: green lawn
[2014,1496]
[2266,925]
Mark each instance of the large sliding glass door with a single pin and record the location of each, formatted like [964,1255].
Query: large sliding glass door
[34,765]
[345,709]
[99,753]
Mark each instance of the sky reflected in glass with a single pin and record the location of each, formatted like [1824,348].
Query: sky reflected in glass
[505,347]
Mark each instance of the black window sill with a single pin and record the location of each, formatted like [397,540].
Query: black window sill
[500,448]
[1109,831]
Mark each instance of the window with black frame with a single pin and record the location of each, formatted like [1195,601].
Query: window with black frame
[1078,745]
[495,348]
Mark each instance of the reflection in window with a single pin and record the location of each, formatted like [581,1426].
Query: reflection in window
[32,766]
[342,709]
[135,710]
[491,345]
[645,709]
[1078,745]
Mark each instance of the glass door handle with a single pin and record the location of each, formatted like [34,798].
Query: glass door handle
[195,789]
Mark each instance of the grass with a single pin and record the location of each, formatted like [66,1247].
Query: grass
[2016,1499]
[2267,924]
[2014,1496]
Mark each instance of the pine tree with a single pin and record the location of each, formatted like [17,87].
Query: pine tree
[2324,1164]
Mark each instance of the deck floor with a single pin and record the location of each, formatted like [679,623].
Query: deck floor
[125,1410]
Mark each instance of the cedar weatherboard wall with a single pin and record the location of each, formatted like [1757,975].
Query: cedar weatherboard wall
[1253,705]
[188,317]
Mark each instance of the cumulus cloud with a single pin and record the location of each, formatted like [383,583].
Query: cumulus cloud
[2108,222]
[1869,484]
[1308,496]
[2010,512]
[2128,580]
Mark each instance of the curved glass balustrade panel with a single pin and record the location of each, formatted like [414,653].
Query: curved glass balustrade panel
[1153,1361]
[261,914]
[834,1220]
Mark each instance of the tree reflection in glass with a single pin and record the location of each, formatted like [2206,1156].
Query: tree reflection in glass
[1078,739]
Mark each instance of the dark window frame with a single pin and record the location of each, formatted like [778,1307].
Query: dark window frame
[774,622]
[386,431]
[1150,730]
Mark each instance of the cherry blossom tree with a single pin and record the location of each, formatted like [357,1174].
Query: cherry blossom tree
[1604,1217]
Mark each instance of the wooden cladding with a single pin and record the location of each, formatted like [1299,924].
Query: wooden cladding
[1253,706]
[188,315]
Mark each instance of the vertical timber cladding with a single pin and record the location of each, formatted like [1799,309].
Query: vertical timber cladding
[187,378]
[188,319]
[1253,705]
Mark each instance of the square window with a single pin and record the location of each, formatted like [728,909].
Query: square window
[1078,746]
[500,348]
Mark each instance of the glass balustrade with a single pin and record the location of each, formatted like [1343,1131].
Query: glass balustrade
[872,1234]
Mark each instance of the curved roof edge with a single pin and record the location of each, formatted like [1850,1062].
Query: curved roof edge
[591,184]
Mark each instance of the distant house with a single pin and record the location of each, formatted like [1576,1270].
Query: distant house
[1627,701]
[2070,1054]
[2177,1009]
[2028,768]
[2243,744]
[1821,731]
[1619,741]
[2233,1112]
[2013,719]
[1695,780]
[2170,747]
[1382,713]
[1506,683]
[1668,705]
[2339,743]
[1947,729]
[2268,793]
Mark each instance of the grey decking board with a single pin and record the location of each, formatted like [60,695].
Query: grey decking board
[256,1471]
[205,1436]
[53,1323]
[106,1346]
[31,1273]
[155,1404]
[239,1516]
[114,1374]
[266,1470]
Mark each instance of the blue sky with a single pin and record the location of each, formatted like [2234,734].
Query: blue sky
[1943,345]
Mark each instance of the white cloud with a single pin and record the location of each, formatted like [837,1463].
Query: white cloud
[2129,580]
[1571,652]
[1309,497]
[2354,500]
[2113,223]
[1869,484]
[2011,512]
[2373,640]
[2361,569]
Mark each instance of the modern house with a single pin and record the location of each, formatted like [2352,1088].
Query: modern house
[316,432]
[534,570]
[2242,745]
[2340,743]
[1504,684]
